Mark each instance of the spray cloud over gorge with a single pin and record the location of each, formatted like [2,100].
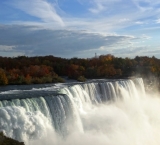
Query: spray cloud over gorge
[101,112]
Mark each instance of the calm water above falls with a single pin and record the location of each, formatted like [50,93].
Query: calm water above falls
[99,112]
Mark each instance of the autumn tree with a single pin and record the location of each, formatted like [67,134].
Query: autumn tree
[3,77]
[74,71]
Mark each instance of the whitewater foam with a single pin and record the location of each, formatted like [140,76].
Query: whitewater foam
[97,113]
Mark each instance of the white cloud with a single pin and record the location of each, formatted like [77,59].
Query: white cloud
[115,15]
[139,22]
[6,48]
[33,41]
[62,43]
[147,5]
[40,9]
[158,21]
[9,51]
[138,11]
[144,36]
[124,20]
[111,15]
[99,6]
[105,17]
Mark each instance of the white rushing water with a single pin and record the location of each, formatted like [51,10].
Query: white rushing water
[97,113]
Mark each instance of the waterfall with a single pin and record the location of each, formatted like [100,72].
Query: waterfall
[29,114]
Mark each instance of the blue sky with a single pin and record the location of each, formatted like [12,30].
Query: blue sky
[80,28]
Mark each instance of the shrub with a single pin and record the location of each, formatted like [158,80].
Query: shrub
[81,79]
[56,79]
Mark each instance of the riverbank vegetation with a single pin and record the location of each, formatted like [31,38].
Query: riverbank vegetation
[48,69]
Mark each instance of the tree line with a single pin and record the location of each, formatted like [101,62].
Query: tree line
[50,69]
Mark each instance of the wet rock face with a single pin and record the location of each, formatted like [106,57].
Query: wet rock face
[8,141]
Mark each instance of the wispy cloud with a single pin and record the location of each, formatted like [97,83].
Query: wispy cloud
[144,36]
[99,6]
[133,10]
[105,15]
[158,21]
[118,25]
[40,9]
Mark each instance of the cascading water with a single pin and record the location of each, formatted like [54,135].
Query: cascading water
[100,112]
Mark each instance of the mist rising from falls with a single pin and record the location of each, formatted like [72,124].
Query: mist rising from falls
[98,113]
[22,125]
